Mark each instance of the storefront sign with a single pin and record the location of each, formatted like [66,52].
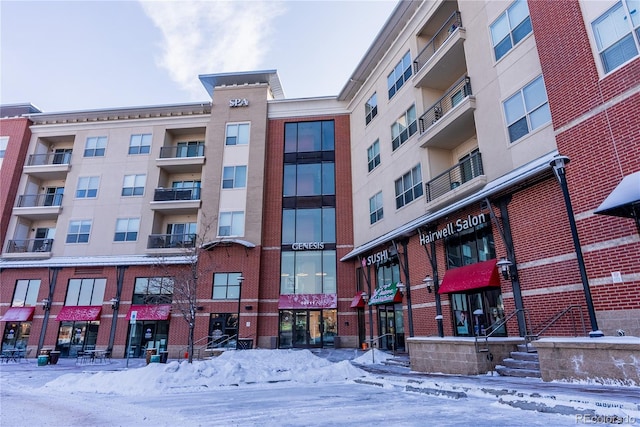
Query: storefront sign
[378,257]
[309,246]
[308,301]
[238,102]
[386,293]
[453,228]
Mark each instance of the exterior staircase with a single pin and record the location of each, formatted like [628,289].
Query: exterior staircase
[522,363]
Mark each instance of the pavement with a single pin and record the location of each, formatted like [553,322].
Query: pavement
[567,398]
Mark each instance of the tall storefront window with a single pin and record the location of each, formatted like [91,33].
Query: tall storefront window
[153,290]
[470,246]
[308,272]
[85,292]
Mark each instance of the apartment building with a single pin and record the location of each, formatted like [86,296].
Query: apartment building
[432,198]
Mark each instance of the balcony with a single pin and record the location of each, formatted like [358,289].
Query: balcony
[442,57]
[176,200]
[171,241]
[181,158]
[38,206]
[456,182]
[450,121]
[28,248]
[49,166]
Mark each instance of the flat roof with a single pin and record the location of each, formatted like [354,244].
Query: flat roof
[270,77]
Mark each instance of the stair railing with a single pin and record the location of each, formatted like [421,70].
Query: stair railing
[370,342]
[534,336]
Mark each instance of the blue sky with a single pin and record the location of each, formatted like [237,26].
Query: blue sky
[75,55]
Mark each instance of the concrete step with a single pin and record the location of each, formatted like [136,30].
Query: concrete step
[527,349]
[510,372]
[519,355]
[398,361]
[521,364]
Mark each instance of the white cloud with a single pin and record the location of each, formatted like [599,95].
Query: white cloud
[203,37]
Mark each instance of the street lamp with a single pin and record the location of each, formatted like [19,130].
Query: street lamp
[558,163]
[240,280]
[429,282]
[504,265]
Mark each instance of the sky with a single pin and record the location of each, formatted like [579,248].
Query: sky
[277,388]
[76,55]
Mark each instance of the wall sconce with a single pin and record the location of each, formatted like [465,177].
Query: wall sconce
[429,282]
[46,304]
[401,287]
[115,303]
[248,307]
[365,297]
[504,265]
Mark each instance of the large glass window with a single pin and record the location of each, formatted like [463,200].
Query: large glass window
[4,142]
[387,274]
[134,185]
[226,285]
[140,144]
[127,230]
[527,110]
[470,246]
[302,137]
[87,187]
[510,28]
[153,290]
[194,186]
[373,155]
[400,74]
[617,43]
[231,224]
[26,293]
[308,272]
[237,134]
[371,108]
[375,208]
[95,146]
[79,231]
[404,127]
[409,187]
[182,234]
[310,179]
[309,225]
[234,177]
[85,292]
[190,149]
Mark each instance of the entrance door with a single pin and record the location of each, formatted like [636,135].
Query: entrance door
[391,327]
[307,328]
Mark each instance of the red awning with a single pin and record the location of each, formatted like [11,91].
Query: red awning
[79,313]
[18,314]
[358,301]
[150,312]
[474,276]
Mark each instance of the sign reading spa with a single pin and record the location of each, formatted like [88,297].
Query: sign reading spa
[452,228]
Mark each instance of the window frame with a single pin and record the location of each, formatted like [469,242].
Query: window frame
[240,137]
[94,289]
[83,233]
[30,294]
[4,143]
[511,29]
[400,133]
[239,177]
[140,147]
[373,155]
[621,42]
[230,219]
[87,191]
[400,74]
[162,284]
[135,189]
[95,146]
[408,188]
[528,111]
[127,230]
[376,208]
[371,108]
[229,283]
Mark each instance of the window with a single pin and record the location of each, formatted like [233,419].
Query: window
[373,155]
[614,37]
[182,235]
[309,225]
[127,229]
[510,28]
[237,134]
[312,179]
[234,177]
[404,127]
[231,224]
[305,137]
[400,74]
[87,187]
[153,290]
[95,146]
[79,231]
[226,285]
[85,292]
[527,110]
[134,185]
[190,149]
[140,144]
[26,293]
[470,246]
[4,142]
[371,108]
[409,187]
[192,187]
[308,272]
[375,208]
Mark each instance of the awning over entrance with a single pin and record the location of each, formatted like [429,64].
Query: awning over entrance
[624,200]
[79,313]
[358,301]
[308,301]
[474,276]
[386,294]
[150,312]
[18,314]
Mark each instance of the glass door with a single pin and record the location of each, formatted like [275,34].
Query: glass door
[300,336]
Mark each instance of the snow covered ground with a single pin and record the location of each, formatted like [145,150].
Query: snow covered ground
[283,388]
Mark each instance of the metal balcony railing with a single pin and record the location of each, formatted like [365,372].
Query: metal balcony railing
[455,95]
[181,151]
[29,245]
[172,194]
[452,178]
[39,200]
[49,159]
[166,241]
[448,27]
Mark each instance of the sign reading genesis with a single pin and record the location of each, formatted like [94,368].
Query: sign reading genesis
[238,102]
[452,228]
[310,246]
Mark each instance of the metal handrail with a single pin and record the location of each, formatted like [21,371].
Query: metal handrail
[497,326]
[209,339]
[557,317]
[466,170]
[460,90]
[452,23]
[372,340]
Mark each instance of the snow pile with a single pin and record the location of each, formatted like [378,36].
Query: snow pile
[376,358]
[232,368]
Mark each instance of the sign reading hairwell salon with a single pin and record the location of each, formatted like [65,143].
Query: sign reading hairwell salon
[452,228]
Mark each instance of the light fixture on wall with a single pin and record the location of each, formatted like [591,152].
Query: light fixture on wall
[401,287]
[115,303]
[46,304]
[504,265]
[429,282]
[365,297]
